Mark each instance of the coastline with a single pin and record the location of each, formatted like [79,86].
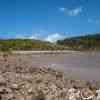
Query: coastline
[45,52]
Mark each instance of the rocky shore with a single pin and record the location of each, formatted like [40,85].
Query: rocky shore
[20,81]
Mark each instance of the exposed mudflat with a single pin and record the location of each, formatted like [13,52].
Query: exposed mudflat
[81,65]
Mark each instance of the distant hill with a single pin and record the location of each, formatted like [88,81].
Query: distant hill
[87,42]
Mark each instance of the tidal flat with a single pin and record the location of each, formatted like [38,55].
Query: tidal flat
[83,65]
[70,76]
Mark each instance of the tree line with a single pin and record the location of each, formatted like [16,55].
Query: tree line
[26,44]
[87,42]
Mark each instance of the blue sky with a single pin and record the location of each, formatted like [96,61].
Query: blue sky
[48,19]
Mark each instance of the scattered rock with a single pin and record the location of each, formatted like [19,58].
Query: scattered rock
[14,86]
[2,81]
[21,82]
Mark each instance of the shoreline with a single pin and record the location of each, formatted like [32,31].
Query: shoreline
[51,52]
[45,51]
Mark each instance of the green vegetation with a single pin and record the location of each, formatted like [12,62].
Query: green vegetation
[26,44]
[88,42]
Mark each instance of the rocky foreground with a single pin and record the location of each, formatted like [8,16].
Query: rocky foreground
[18,81]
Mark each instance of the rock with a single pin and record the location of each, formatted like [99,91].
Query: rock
[30,90]
[2,90]
[2,81]
[98,94]
[87,94]
[8,96]
[73,94]
[14,86]
[19,96]
[40,97]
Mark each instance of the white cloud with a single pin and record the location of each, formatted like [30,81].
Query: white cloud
[96,21]
[54,37]
[32,37]
[50,38]
[72,12]
[35,36]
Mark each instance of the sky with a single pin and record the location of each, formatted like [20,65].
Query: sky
[48,20]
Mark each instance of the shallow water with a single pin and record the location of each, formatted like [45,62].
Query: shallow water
[76,65]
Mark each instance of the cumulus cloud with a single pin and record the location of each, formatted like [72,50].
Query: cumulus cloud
[72,12]
[50,38]
[54,37]
[35,36]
